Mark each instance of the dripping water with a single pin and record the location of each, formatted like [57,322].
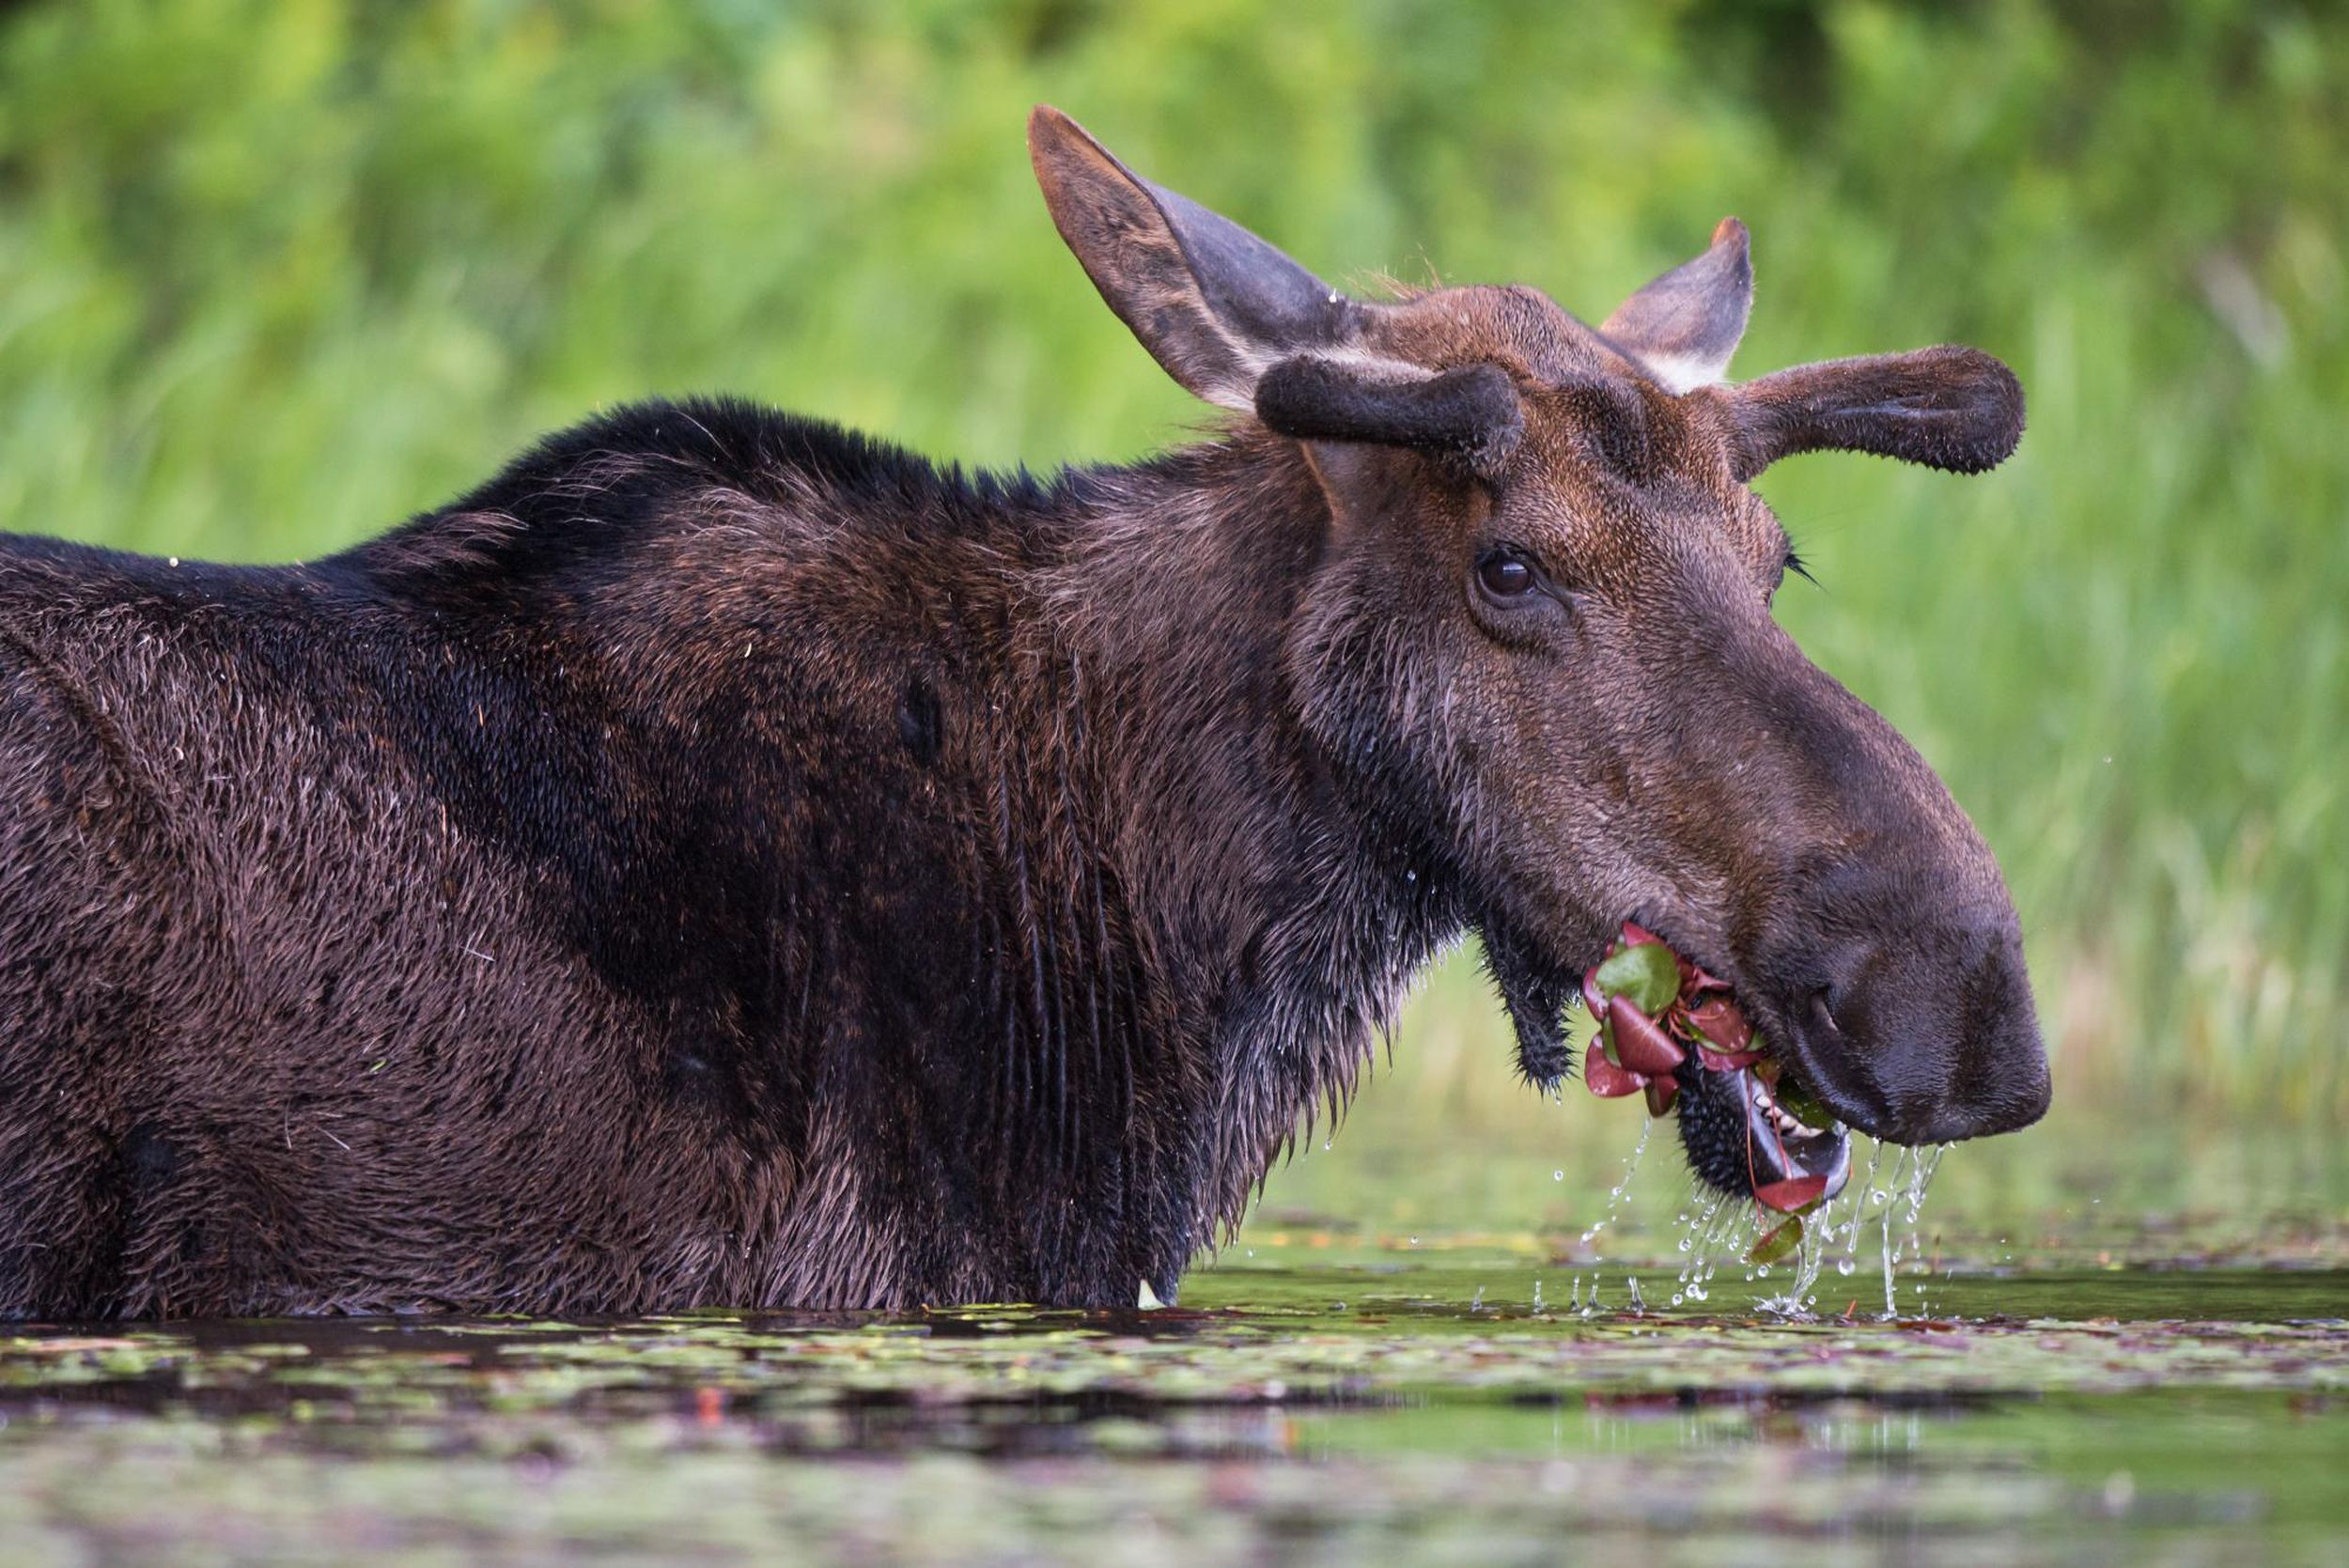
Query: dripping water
[1588,1304]
[1701,1232]
[1883,1204]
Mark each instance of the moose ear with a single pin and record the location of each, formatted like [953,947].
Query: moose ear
[1683,327]
[1212,302]
[1947,408]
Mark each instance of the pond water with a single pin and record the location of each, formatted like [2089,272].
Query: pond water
[1312,1401]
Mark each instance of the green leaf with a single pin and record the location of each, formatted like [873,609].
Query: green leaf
[1778,1243]
[1797,1101]
[1646,975]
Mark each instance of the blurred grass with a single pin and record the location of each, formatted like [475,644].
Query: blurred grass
[274,276]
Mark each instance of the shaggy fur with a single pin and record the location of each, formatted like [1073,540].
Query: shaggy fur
[700,866]
[725,861]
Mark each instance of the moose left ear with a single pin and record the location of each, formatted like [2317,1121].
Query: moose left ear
[1947,408]
[1683,327]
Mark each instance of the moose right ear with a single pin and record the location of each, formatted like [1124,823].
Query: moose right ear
[1683,327]
[1213,303]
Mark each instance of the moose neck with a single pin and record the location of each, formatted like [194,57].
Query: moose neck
[1287,914]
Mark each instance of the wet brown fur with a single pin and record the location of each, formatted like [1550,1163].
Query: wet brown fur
[726,862]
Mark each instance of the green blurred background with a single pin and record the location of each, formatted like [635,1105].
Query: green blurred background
[273,275]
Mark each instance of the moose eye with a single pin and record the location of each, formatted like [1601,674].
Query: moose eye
[1504,574]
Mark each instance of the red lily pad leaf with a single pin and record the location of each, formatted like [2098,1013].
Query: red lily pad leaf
[1644,974]
[1593,997]
[1640,1042]
[1603,1079]
[1776,1244]
[1793,1194]
[1636,934]
[1661,1095]
[1726,1061]
[1723,1023]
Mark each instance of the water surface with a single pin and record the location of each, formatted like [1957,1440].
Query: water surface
[1412,1406]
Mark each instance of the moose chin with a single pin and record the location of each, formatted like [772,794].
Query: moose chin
[725,860]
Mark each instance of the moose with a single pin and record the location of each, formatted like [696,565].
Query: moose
[726,860]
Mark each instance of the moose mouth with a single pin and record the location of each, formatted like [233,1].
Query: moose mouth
[1751,1122]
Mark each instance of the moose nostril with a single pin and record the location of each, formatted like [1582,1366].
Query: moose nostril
[1822,1008]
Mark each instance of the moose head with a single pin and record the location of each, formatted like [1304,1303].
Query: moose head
[1539,637]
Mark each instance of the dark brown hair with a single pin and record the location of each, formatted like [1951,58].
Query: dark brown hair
[724,860]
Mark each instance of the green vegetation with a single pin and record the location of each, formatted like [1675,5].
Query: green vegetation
[273,275]
[1326,1416]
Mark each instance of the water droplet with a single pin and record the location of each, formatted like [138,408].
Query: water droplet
[1557,1175]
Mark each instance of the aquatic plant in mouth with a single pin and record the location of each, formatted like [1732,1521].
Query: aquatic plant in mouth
[1672,1032]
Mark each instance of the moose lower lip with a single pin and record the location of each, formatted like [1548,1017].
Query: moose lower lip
[1790,1163]
[1741,1138]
